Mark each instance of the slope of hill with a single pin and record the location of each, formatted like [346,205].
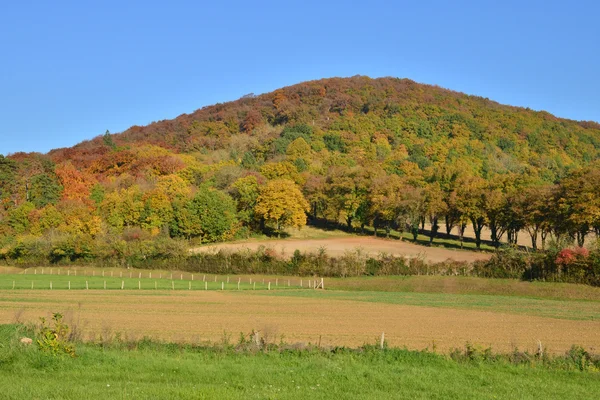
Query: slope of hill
[358,152]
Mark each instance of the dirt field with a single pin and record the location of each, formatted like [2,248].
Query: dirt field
[338,246]
[200,316]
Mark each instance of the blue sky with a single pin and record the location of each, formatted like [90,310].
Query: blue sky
[70,70]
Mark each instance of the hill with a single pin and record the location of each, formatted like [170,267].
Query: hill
[357,152]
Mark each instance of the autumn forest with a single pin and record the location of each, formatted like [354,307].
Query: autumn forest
[365,154]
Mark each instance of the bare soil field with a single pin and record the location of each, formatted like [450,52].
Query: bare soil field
[339,246]
[212,316]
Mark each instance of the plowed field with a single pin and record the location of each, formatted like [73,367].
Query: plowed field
[210,316]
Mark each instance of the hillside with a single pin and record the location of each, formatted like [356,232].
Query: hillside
[356,152]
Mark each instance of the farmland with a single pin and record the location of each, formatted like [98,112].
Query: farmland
[161,334]
[415,312]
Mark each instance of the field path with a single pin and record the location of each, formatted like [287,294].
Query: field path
[338,246]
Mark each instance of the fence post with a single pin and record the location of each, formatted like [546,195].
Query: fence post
[122,285]
[381,344]
[86,286]
[222,285]
[205,285]
[104,285]
[69,285]
[269,285]
[172,284]
[139,285]
[190,285]
[50,285]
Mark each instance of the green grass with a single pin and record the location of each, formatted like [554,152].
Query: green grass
[145,370]
[467,285]
[166,281]
[572,310]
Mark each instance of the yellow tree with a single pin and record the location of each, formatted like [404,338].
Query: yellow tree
[281,204]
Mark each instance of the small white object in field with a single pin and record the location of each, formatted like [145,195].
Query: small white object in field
[26,341]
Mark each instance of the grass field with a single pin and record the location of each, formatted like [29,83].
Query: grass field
[415,312]
[145,370]
[194,326]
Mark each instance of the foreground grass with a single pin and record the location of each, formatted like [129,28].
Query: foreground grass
[148,370]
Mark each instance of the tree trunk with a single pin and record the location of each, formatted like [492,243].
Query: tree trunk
[434,229]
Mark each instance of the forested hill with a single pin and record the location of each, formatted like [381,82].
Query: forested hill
[386,152]
[398,123]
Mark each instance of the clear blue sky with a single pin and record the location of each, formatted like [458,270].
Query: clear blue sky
[70,70]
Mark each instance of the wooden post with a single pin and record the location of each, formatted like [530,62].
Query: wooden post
[150,277]
[122,285]
[13,285]
[288,283]
[171,276]
[32,284]
[181,277]
[301,285]
[203,278]
[322,284]
[139,285]
[192,276]
[75,272]
[140,276]
[68,272]
[86,285]
[35,271]
[172,284]
[190,285]
[42,271]
[205,285]
[111,274]
[69,285]
[215,278]
[222,285]
[276,281]
[382,343]
[251,281]
[269,285]
[254,286]
[50,285]
[104,285]
[160,276]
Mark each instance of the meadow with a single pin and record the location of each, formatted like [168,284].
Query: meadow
[147,369]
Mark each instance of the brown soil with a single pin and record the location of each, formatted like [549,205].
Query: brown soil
[339,246]
[201,316]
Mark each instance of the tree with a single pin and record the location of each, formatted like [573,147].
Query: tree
[434,206]
[44,190]
[282,204]
[469,200]
[245,191]
[210,215]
